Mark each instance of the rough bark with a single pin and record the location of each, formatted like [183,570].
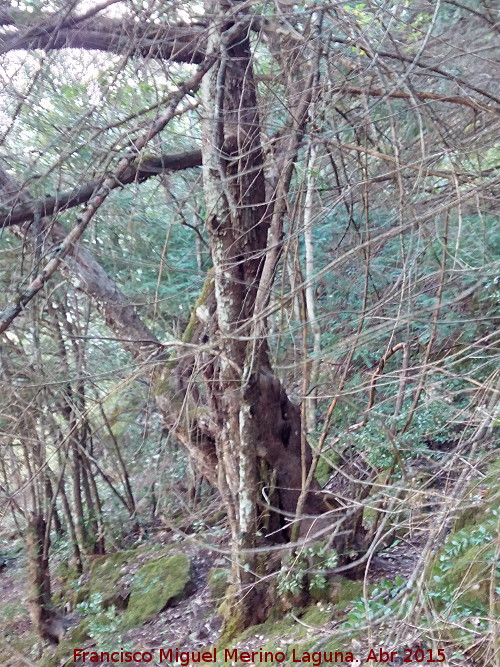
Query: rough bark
[43,616]
[235,198]
[179,43]
[256,421]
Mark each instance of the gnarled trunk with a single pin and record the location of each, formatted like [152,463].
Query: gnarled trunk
[256,421]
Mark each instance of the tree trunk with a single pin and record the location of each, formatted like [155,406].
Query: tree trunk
[43,616]
[235,199]
[255,419]
[312,321]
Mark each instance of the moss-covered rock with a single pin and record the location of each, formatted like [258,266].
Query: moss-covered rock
[218,581]
[343,591]
[142,581]
[156,585]
[110,577]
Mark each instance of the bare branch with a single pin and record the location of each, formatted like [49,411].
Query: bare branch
[397,94]
[12,213]
[178,43]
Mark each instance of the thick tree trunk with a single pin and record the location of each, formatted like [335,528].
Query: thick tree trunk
[235,198]
[255,419]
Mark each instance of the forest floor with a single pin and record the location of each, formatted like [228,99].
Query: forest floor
[194,624]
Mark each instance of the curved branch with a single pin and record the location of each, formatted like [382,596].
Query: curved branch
[179,43]
[434,97]
[86,274]
[12,213]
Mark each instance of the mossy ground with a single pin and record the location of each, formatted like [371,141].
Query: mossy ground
[156,584]
[153,579]
[301,630]
[107,574]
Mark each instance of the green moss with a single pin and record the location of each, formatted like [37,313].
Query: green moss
[299,648]
[287,626]
[215,518]
[233,618]
[231,631]
[162,381]
[470,576]
[155,585]
[66,572]
[343,643]
[111,576]
[60,655]
[323,471]
[316,616]
[49,659]
[343,590]
[321,592]
[288,634]
[338,590]
[271,628]
[106,573]
[79,633]
[218,581]
[465,572]
[466,562]
[200,301]
[11,611]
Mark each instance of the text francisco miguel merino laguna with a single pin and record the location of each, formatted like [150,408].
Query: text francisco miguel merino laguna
[185,658]
[233,655]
